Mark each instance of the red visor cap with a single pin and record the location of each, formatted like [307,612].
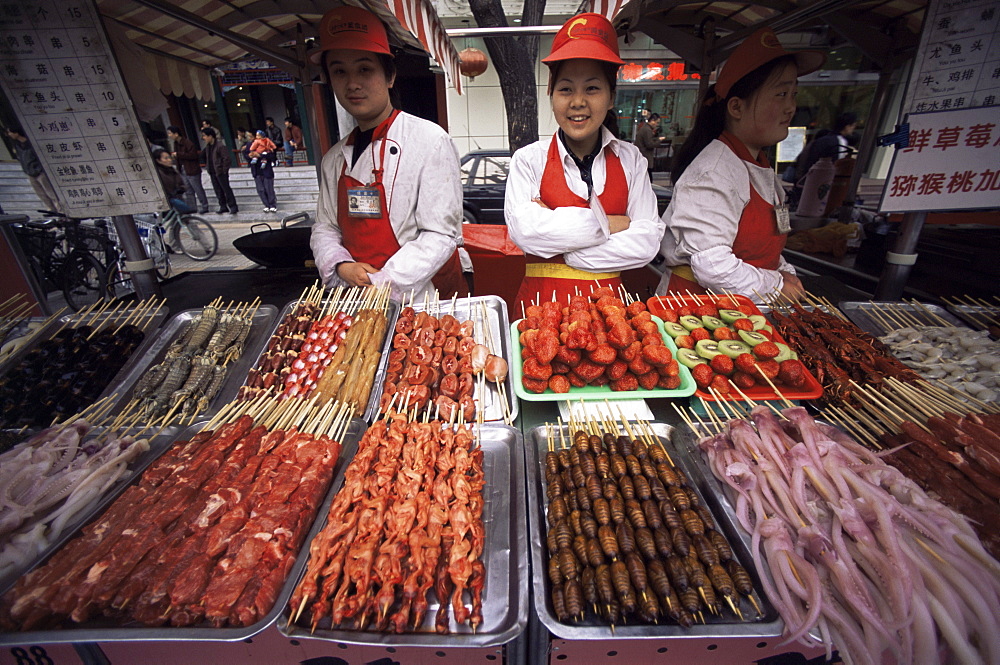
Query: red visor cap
[585,36]
[350,28]
[759,49]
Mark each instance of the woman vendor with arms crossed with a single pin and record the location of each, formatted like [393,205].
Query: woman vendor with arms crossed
[579,204]
[727,222]
[390,200]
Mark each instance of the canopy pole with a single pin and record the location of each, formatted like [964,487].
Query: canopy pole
[900,260]
[144,279]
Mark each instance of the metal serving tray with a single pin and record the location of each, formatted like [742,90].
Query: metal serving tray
[157,445]
[153,320]
[103,629]
[678,444]
[391,312]
[465,309]
[865,315]
[976,315]
[138,365]
[22,330]
[505,555]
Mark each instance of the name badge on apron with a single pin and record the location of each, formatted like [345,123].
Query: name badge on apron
[363,202]
[783,219]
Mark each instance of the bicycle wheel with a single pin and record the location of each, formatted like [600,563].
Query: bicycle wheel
[84,280]
[119,282]
[157,250]
[198,239]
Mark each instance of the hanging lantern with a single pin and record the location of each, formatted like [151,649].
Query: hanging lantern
[473,62]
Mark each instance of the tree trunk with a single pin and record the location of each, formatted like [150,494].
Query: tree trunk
[514,59]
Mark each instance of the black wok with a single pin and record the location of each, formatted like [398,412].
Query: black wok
[278,248]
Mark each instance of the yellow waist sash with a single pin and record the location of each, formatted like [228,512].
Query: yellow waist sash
[563,271]
[684,272]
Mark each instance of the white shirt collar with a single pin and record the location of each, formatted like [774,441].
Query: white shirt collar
[607,138]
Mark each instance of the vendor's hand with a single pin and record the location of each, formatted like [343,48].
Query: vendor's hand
[541,203]
[356,274]
[619,222]
[791,287]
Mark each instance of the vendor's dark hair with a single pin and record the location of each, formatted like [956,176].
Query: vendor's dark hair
[845,119]
[156,153]
[208,131]
[175,129]
[610,70]
[711,118]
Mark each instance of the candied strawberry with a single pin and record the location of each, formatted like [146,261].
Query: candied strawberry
[726,303]
[747,309]
[559,384]
[720,384]
[534,385]
[636,307]
[569,356]
[702,374]
[602,291]
[527,324]
[767,333]
[722,332]
[602,380]
[743,380]
[603,355]
[629,354]
[616,370]
[670,315]
[533,312]
[672,368]
[684,342]
[625,384]
[649,380]
[638,366]
[669,382]
[685,310]
[536,370]
[699,334]
[722,364]
[791,371]
[745,362]
[588,370]
[643,328]
[742,324]
[576,380]
[766,350]
[769,367]
[706,310]
[621,335]
[652,339]
[656,355]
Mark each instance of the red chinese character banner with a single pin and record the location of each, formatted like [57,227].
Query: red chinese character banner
[952,163]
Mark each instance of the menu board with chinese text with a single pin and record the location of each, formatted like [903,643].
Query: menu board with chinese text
[60,75]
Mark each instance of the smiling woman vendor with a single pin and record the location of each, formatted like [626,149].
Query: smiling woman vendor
[579,204]
[726,223]
[390,198]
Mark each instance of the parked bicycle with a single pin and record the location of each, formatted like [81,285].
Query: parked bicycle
[59,253]
[161,234]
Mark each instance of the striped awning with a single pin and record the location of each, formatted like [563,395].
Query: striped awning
[184,40]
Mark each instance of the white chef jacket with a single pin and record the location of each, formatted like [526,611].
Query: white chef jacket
[582,235]
[703,218]
[424,197]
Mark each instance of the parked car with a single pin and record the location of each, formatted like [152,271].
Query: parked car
[484,182]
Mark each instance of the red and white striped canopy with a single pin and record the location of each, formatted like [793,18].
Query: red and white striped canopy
[606,8]
[419,17]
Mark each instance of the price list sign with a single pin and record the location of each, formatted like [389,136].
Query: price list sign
[958,63]
[58,71]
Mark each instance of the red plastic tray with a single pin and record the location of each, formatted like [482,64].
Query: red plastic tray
[812,389]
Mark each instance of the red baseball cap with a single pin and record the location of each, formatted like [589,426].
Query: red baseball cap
[759,49]
[585,36]
[350,28]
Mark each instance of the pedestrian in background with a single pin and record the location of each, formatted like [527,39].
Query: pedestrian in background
[263,155]
[218,162]
[273,131]
[32,167]
[293,141]
[647,141]
[243,141]
[186,155]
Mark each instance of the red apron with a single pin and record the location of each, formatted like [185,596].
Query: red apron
[371,239]
[543,277]
[757,239]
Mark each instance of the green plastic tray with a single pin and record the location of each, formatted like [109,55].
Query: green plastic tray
[686,388]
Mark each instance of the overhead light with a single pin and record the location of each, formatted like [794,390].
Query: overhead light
[517,20]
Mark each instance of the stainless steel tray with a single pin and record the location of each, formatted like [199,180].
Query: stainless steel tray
[466,309]
[138,365]
[391,312]
[976,315]
[869,317]
[103,629]
[157,446]
[678,443]
[22,330]
[505,594]
[152,320]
